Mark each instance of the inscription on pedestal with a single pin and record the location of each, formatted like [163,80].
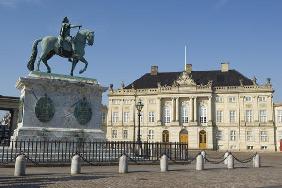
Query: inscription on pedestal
[83,111]
[44,109]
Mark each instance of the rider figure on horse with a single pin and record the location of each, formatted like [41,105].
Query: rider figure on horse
[65,35]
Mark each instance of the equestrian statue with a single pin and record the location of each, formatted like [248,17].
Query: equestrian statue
[64,45]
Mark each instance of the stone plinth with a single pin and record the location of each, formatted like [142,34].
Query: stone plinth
[59,107]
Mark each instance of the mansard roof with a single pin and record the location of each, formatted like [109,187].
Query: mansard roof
[218,78]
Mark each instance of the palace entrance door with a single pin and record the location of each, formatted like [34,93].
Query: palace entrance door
[183,136]
[202,139]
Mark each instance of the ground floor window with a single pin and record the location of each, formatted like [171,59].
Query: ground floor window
[114,133]
[232,135]
[125,134]
[263,136]
[151,134]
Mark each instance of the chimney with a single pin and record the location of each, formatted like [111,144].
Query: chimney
[154,70]
[188,68]
[224,67]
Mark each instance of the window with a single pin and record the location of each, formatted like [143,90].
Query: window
[262,116]
[125,117]
[114,133]
[279,116]
[184,113]
[151,117]
[219,135]
[263,136]
[263,147]
[248,116]
[218,99]
[232,135]
[166,114]
[219,116]
[262,98]
[115,101]
[115,117]
[249,136]
[232,116]
[248,98]
[231,99]
[125,134]
[250,147]
[203,114]
[151,135]
[280,135]
[103,117]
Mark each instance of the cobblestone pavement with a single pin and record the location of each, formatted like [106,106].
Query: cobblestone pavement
[269,175]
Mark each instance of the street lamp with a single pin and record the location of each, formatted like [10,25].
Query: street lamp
[139,107]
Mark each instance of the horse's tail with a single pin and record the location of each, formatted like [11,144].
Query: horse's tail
[30,64]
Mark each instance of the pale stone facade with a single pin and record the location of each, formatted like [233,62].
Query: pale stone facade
[278,124]
[203,108]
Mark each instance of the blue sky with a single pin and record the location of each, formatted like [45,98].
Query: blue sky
[132,35]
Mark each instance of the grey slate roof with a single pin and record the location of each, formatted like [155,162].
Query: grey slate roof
[229,78]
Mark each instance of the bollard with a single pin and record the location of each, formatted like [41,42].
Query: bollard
[256,161]
[203,153]
[20,166]
[123,164]
[164,163]
[230,161]
[75,165]
[199,162]
[225,157]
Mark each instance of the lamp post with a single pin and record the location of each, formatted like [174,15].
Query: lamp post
[139,107]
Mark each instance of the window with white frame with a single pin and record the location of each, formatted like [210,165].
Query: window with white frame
[279,116]
[248,116]
[248,98]
[249,136]
[263,136]
[125,117]
[219,135]
[279,135]
[219,116]
[103,117]
[167,114]
[262,116]
[203,114]
[151,117]
[232,99]
[184,113]
[262,98]
[232,116]
[151,134]
[114,133]
[218,99]
[127,101]
[232,135]
[115,117]
[125,134]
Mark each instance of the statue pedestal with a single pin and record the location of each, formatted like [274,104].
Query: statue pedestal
[59,107]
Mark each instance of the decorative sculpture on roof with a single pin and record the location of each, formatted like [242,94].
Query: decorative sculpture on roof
[185,79]
[65,46]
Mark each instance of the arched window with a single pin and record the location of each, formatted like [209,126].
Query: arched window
[165,136]
[167,114]
[184,113]
[203,114]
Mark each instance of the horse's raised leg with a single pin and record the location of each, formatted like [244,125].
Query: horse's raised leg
[85,65]
[74,62]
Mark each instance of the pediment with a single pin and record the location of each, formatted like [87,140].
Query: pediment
[185,79]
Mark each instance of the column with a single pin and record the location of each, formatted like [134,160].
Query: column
[159,109]
[177,109]
[191,109]
[210,109]
[173,108]
[195,109]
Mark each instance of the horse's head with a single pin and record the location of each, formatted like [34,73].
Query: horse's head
[88,35]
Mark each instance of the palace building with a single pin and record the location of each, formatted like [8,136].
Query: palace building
[217,109]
